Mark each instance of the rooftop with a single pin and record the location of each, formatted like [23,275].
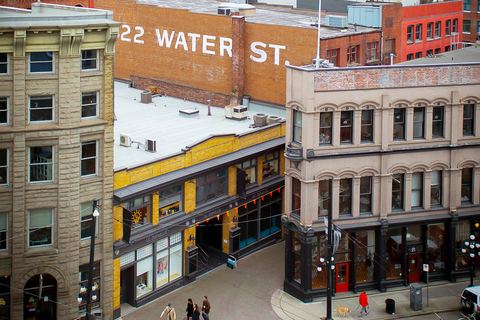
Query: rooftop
[161,121]
[468,54]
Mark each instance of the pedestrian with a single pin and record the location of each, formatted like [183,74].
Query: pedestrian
[363,300]
[170,311]
[196,312]
[206,308]
[189,309]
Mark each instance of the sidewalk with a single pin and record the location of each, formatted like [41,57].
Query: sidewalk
[254,291]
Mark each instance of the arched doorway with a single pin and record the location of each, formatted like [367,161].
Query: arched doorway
[40,294]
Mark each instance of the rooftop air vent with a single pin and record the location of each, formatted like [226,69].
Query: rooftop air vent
[125,140]
[146,97]
[260,119]
[336,21]
[151,145]
[273,119]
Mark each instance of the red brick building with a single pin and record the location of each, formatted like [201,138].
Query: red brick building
[471,21]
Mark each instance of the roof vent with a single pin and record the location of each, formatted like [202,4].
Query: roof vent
[260,119]
[189,113]
[273,119]
[151,145]
[125,140]
[336,21]
[146,97]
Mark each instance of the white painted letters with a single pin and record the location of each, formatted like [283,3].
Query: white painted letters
[208,44]
[194,37]
[181,41]
[260,52]
[276,55]
[168,41]
[224,46]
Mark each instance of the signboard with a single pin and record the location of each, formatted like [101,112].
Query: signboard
[425,267]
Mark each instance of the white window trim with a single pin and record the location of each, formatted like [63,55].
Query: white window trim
[51,225]
[96,158]
[96,105]
[81,220]
[53,109]
[44,72]
[30,166]
[6,230]
[8,66]
[96,59]
[8,169]
[8,112]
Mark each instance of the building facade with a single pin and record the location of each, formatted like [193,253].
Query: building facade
[56,156]
[392,159]
[471,21]
[183,213]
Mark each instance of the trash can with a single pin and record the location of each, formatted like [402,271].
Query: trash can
[415,296]
[390,306]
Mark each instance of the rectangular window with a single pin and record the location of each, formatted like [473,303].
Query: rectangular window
[297,126]
[3,63]
[83,276]
[4,116]
[365,256]
[438,50]
[41,164]
[437,125]
[468,119]
[448,26]
[352,54]
[393,255]
[436,188]
[372,53]
[323,197]
[296,196]
[409,56]
[89,59]
[467,24]
[271,164]
[332,56]
[141,211]
[467,174]
[345,195]
[478,22]
[438,27]
[397,191]
[325,133]
[41,109]
[89,158]
[41,62]
[170,201]
[248,223]
[89,105]
[447,48]
[365,194]
[430,30]
[399,124]
[418,123]
[367,126]
[418,32]
[3,230]
[418,55]
[436,247]
[417,190]
[40,227]
[168,264]
[346,121]
[410,33]
[250,168]
[467,5]
[211,185]
[429,53]
[3,167]
[455,25]
[86,216]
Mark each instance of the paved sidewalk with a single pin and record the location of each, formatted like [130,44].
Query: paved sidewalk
[254,291]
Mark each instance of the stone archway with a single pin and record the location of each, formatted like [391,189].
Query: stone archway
[39,297]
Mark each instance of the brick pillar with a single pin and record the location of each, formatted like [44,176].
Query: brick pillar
[238,59]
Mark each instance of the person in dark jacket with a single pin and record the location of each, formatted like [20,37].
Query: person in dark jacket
[189,309]
[196,312]
[206,308]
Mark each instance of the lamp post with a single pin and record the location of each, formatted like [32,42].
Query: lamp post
[473,247]
[95,214]
[329,265]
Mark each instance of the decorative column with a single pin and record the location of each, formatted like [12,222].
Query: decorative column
[381,251]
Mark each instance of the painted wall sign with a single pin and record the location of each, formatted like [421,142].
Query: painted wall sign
[201,42]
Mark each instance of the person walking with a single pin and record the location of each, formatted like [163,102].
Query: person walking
[170,312]
[196,312]
[189,309]
[206,308]
[363,300]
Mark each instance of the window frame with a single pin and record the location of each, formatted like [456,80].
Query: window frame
[455,25]
[5,168]
[346,128]
[467,186]
[417,189]
[86,159]
[367,126]
[85,107]
[410,33]
[398,179]
[467,5]
[401,124]
[296,196]
[366,193]
[430,30]
[297,126]
[332,56]
[169,207]
[51,165]
[467,26]
[271,171]
[418,55]
[35,99]
[5,111]
[216,181]
[49,226]
[436,187]
[347,194]
[438,124]
[87,219]
[327,192]
[40,62]
[468,127]
[352,54]
[325,131]
[372,51]
[145,219]
[418,121]
[448,27]
[4,231]
[5,63]
[438,28]
[250,168]
[418,32]
[86,60]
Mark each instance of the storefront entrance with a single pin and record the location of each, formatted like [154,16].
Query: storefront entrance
[210,236]
[413,268]
[342,277]
[127,287]
[38,298]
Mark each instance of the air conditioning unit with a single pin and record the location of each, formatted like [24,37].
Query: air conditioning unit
[236,112]
[151,145]
[260,119]
[336,21]
[125,140]
[273,119]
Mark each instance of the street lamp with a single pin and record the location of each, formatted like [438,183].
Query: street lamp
[328,264]
[95,214]
[473,247]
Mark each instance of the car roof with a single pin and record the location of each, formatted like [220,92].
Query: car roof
[475,289]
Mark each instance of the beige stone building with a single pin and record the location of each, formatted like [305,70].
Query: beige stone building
[393,155]
[56,156]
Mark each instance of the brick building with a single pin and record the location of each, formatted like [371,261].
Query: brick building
[471,21]
[411,195]
[56,156]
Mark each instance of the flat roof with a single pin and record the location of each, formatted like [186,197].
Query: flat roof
[273,15]
[161,121]
[467,54]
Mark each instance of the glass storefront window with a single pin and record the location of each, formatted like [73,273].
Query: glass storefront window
[414,233]
[247,222]
[297,259]
[170,201]
[319,250]
[365,256]
[175,262]
[270,213]
[436,247]
[462,233]
[394,253]
[83,283]
[144,276]
[162,268]
[5,297]
[169,259]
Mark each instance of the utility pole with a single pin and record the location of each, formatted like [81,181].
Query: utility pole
[92,260]
[329,265]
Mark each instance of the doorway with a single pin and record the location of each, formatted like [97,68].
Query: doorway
[40,294]
[210,235]
[342,277]
[413,268]
[127,286]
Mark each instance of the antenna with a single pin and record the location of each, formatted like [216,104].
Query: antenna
[317,61]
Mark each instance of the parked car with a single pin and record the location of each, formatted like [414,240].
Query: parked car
[470,300]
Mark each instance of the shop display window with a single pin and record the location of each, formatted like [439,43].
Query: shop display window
[436,247]
[270,213]
[297,259]
[170,201]
[365,256]
[144,276]
[319,250]
[394,253]
[462,234]
[169,257]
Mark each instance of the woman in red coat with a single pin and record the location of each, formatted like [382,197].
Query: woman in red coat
[363,300]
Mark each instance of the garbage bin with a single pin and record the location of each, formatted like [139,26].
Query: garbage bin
[390,306]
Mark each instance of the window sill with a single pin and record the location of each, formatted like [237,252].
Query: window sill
[410,42]
[40,251]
